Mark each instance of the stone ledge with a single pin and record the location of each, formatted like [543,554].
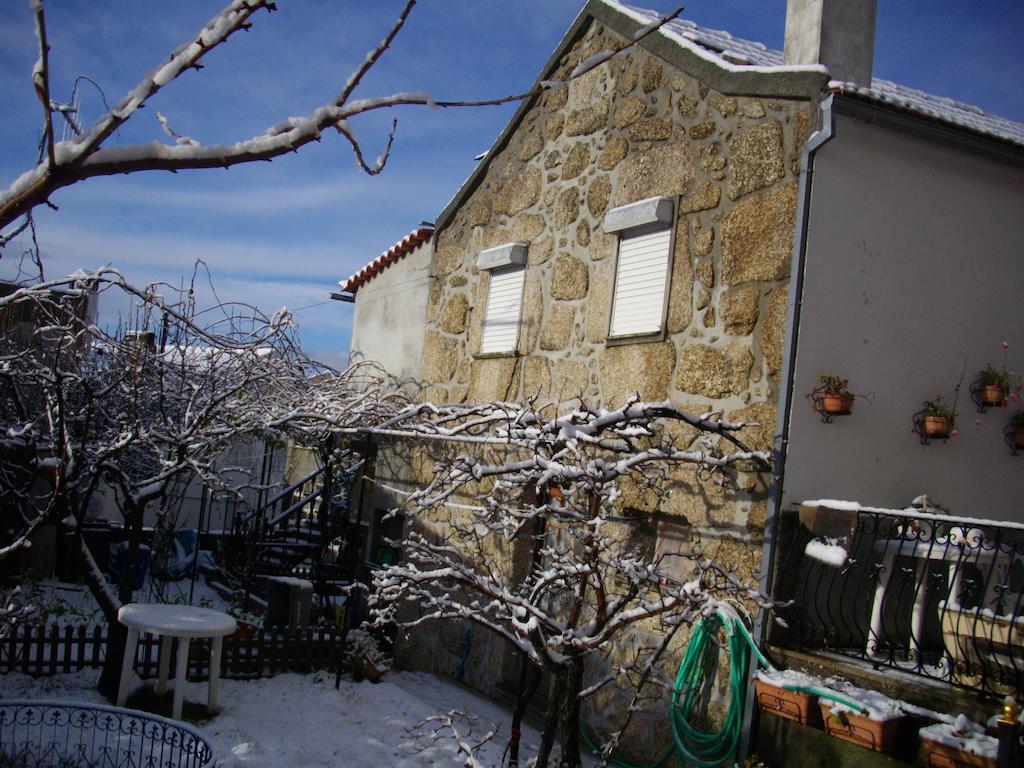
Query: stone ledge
[507,255]
[653,210]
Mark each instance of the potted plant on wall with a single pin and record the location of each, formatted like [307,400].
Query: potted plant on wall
[993,386]
[836,398]
[936,421]
[939,419]
[832,397]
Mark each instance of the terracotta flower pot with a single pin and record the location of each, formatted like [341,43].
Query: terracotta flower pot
[992,395]
[245,630]
[837,403]
[937,427]
[370,670]
[1018,437]
[879,735]
[792,705]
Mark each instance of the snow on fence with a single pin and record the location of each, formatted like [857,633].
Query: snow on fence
[42,651]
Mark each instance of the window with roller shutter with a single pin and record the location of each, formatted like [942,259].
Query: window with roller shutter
[642,269]
[500,332]
[506,265]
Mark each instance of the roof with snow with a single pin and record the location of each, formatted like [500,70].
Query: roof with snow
[745,53]
[734,66]
[395,253]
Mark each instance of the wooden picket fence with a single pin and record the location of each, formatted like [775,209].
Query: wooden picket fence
[39,650]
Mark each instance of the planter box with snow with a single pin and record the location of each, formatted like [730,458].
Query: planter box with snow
[946,747]
[792,705]
[878,733]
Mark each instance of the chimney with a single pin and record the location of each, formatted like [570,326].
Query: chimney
[837,33]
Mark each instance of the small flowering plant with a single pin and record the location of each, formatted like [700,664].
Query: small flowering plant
[995,377]
[835,384]
[996,386]
[1017,420]
[938,409]
[832,397]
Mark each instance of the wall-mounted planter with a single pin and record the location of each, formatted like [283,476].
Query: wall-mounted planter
[937,427]
[879,735]
[837,403]
[991,387]
[992,395]
[935,421]
[831,398]
[792,705]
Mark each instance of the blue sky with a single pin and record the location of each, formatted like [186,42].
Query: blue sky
[284,233]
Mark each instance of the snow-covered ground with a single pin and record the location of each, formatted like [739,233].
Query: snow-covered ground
[301,720]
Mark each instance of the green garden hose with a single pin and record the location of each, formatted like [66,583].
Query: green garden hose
[698,748]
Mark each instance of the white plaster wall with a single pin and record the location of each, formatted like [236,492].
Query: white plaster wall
[915,270]
[390,315]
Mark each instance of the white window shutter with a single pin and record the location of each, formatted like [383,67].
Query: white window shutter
[504,307]
[641,276]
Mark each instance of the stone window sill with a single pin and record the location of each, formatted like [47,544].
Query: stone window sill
[494,355]
[642,338]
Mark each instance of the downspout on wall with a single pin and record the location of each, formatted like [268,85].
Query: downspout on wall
[817,140]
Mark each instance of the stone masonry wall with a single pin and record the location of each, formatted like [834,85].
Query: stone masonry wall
[630,129]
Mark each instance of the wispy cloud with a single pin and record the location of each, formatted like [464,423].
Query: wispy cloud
[242,199]
[70,247]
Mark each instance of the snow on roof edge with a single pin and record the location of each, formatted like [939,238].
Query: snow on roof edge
[713,44]
[671,31]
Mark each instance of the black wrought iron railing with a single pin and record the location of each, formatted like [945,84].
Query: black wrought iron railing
[53,734]
[931,594]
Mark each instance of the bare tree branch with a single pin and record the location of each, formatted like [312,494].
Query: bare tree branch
[41,80]
[526,480]
[371,58]
[85,157]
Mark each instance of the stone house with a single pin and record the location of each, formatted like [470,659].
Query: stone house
[709,221]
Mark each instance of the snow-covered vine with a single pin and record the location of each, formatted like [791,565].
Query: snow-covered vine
[545,556]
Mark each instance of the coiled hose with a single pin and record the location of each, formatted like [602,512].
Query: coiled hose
[709,749]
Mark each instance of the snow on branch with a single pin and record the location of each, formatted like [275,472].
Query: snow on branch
[454,726]
[139,411]
[86,156]
[523,529]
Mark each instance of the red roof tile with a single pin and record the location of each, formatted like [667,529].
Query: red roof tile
[406,245]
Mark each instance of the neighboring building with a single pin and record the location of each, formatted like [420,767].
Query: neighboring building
[390,297]
[709,221]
